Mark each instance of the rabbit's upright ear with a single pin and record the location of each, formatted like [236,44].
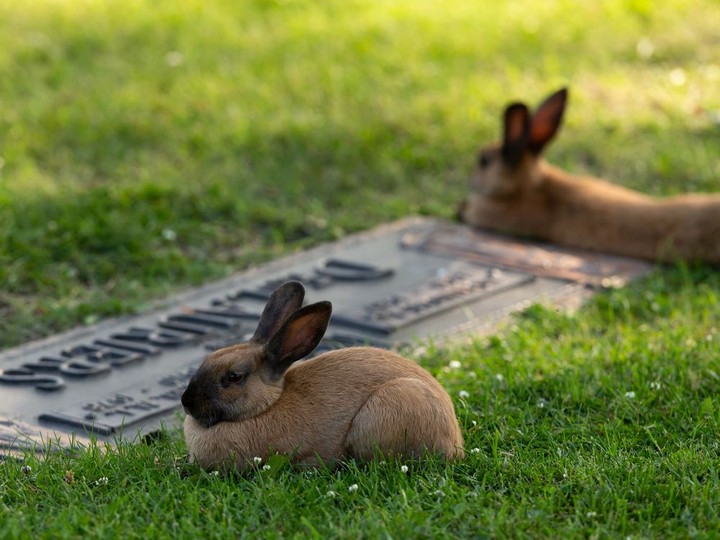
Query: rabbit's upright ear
[297,337]
[284,301]
[516,126]
[546,120]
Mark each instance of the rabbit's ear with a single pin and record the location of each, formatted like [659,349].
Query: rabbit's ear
[516,125]
[297,337]
[283,302]
[546,120]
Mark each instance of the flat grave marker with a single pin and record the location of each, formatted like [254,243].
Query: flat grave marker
[408,281]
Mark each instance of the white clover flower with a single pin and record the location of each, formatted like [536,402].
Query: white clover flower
[454,364]
[677,77]
[215,473]
[645,48]
[257,460]
[404,468]
[475,451]
[266,467]
[101,481]
[630,395]
[353,488]
[463,394]
[331,494]
[174,58]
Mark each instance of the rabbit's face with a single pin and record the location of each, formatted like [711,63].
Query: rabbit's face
[496,177]
[500,186]
[507,170]
[231,385]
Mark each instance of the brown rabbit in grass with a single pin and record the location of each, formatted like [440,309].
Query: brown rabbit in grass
[514,190]
[248,400]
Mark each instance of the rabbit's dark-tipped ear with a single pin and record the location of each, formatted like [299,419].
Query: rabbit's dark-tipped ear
[297,337]
[546,120]
[516,126]
[283,302]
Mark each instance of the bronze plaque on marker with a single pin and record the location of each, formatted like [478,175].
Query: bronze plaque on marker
[411,280]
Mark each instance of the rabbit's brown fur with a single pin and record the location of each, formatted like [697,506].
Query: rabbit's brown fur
[516,191]
[348,403]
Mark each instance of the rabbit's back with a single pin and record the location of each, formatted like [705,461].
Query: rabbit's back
[324,396]
[594,214]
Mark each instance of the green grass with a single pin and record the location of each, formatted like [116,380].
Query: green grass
[149,146]
[600,424]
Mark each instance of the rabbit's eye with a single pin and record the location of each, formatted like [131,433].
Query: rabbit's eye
[236,377]
[484,160]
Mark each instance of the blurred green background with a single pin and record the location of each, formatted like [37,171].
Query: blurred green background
[151,145]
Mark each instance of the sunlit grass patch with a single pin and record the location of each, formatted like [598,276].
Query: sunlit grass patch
[148,146]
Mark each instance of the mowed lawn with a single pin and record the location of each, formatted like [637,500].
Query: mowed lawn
[150,146]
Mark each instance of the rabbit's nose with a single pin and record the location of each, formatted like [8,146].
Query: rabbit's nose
[186,400]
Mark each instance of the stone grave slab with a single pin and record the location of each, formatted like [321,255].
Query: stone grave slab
[415,279]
